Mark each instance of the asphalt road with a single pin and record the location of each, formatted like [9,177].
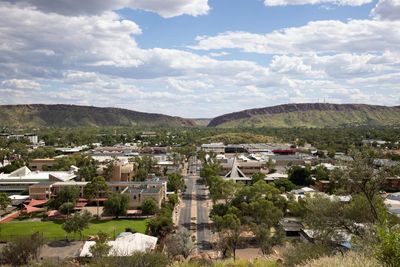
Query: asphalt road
[203,225]
[195,200]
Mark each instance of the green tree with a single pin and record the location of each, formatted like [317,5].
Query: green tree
[261,211]
[387,250]
[4,201]
[94,188]
[162,224]
[173,199]
[258,176]
[66,208]
[66,194]
[221,189]
[175,182]
[284,185]
[229,229]
[300,175]
[77,223]
[179,243]
[149,206]
[117,204]
[265,239]
[360,176]
[101,248]
[321,173]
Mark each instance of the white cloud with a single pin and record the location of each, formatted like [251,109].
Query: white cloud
[316,36]
[219,54]
[184,85]
[167,9]
[20,84]
[387,10]
[95,60]
[315,2]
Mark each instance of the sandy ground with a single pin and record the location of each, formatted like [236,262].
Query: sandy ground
[248,253]
[61,249]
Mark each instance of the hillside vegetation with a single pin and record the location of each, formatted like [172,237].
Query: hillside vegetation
[240,138]
[82,116]
[317,115]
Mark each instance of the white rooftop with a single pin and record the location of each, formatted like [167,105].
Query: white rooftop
[25,174]
[124,245]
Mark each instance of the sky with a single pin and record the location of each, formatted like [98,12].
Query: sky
[199,58]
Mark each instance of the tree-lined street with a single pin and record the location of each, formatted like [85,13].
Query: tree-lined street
[195,207]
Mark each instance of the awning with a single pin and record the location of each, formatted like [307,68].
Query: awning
[30,209]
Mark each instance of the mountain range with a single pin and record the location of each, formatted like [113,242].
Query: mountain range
[75,116]
[310,115]
[287,115]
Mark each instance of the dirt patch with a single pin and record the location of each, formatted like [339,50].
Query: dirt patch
[61,249]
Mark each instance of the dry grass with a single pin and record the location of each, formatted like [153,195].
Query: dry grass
[350,259]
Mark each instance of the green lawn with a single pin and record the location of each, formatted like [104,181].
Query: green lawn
[53,231]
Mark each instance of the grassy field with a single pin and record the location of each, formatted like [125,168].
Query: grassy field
[53,231]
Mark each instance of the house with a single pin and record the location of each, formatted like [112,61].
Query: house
[340,237]
[124,245]
[322,185]
[20,179]
[292,226]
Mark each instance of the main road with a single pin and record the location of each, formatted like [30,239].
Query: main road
[195,208]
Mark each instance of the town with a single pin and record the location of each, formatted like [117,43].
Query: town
[196,203]
[200,133]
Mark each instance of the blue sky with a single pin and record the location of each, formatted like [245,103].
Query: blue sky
[199,58]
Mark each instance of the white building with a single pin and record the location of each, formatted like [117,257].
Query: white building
[20,179]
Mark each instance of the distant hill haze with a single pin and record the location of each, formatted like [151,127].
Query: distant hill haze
[310,115]
[76,116]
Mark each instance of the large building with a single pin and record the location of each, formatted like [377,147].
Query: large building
[246,165]
[137,191]
[217,148]
[20,179]
[40,164]
[123,172]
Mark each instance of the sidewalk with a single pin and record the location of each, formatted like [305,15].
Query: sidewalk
[177,212]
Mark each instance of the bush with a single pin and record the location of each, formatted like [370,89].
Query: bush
[23,250]
[304,252]
[137,259]
[350,259]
